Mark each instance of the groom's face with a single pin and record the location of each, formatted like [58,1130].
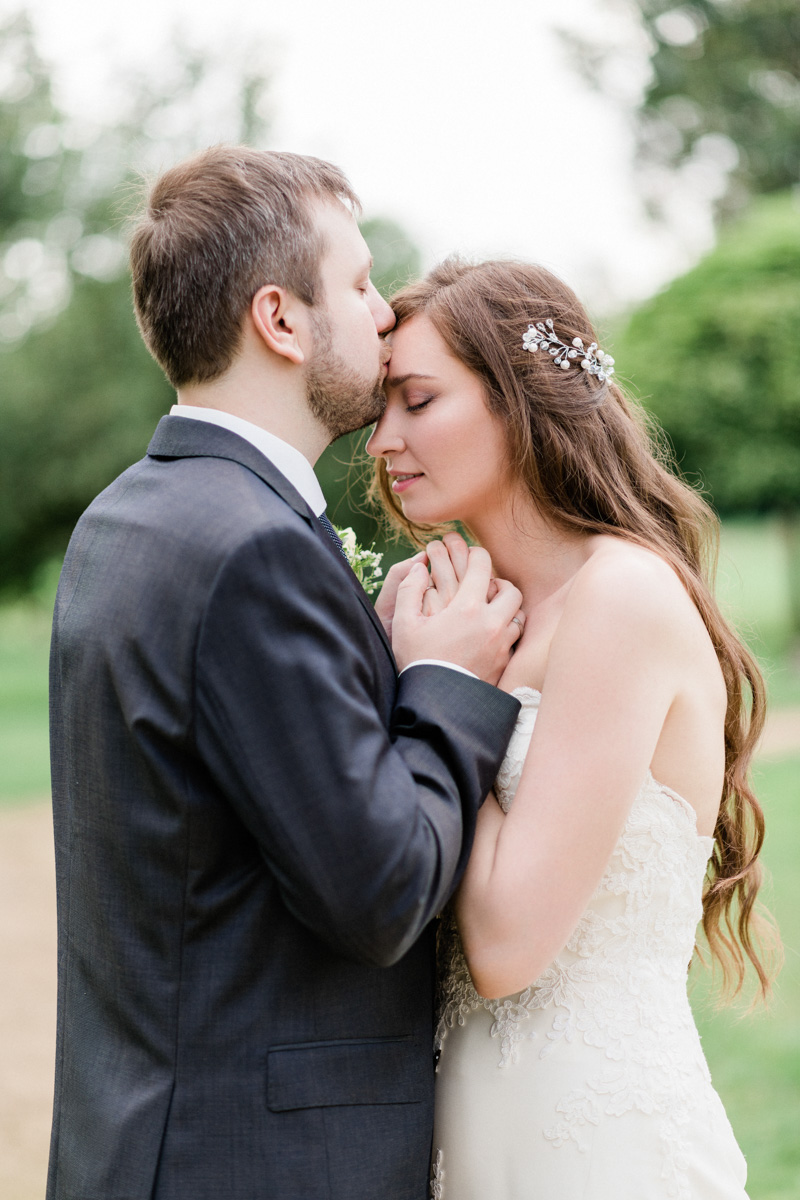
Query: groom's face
[348,361]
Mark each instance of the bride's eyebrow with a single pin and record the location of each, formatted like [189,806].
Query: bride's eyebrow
[398,380]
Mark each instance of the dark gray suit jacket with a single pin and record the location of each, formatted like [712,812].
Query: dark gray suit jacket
[255,823]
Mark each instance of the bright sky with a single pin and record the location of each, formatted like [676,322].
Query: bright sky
[462,119]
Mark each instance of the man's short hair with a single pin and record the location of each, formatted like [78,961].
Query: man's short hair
[217,228]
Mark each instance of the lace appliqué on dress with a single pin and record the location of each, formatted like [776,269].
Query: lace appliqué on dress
[620,982]
[457,996]
[437,1177]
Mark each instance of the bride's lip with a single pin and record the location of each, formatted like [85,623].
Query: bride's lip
[400,482]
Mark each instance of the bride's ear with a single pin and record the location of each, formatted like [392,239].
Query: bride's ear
[279,321]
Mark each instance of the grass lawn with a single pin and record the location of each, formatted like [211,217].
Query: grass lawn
[24,753]
[755,1058]
[753,592]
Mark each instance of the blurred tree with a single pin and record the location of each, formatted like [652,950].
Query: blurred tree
[38,173]
[79,394]
[725,69]
[720,112]
[716,357]
[396,259]
[80,400]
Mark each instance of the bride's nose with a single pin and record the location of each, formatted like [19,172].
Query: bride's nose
[385,438]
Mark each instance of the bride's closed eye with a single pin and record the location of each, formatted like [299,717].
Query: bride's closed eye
[420,405]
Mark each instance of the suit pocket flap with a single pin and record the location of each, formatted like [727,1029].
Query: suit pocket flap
[356,1071]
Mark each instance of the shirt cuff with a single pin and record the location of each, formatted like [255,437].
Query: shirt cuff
[437,662]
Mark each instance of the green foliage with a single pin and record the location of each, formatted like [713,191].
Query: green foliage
[38,180]
[720,114]
[396,259]
[81,399]
[716,357]
[727,69]
[34,174]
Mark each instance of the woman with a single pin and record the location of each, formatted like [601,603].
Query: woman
[640,709]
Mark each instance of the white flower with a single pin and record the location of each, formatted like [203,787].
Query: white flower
[348,542]
[365,563]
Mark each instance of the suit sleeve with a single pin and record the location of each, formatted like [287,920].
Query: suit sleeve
[366,829]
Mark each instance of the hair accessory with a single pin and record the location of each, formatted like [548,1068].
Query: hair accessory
[542,337]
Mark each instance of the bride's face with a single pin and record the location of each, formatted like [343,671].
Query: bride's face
[445,452]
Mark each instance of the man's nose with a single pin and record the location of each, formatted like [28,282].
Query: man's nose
[382,314]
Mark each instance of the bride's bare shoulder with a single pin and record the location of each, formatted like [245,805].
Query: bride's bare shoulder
[614,560]
[627,581]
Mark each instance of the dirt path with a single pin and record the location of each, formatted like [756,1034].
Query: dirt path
[27,998]
[27,980]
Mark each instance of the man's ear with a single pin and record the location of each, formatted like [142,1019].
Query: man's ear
[276,316]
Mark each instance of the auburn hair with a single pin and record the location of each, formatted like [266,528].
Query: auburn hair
[594,462]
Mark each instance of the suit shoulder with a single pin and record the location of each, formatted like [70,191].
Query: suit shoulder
[212,501]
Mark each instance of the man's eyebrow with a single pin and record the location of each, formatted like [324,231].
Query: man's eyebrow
[399,380]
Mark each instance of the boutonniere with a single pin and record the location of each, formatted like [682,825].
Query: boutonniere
[365,563]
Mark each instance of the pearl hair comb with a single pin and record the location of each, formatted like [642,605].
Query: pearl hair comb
[542,336]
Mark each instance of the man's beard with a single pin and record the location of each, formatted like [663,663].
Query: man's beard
[341,400]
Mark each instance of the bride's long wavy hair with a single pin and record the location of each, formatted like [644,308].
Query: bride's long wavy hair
[593,462]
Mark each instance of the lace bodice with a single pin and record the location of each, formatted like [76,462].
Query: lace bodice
[618,988]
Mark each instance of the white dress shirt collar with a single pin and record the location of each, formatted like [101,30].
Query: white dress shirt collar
[289,461]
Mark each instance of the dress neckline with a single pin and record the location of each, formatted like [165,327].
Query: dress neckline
[681,801]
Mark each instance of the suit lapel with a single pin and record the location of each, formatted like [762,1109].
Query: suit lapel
[182,437]
[362,596]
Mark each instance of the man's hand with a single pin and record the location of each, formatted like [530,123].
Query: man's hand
[387,599]
[458,613]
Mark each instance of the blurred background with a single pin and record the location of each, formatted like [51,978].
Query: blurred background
[647,152]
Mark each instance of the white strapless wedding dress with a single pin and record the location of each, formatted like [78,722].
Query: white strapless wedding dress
[591,1084]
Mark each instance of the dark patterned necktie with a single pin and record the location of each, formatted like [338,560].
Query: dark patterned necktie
[332,534]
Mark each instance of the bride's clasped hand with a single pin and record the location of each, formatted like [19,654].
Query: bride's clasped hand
[412,606]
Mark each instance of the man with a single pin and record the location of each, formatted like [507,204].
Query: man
[256,819]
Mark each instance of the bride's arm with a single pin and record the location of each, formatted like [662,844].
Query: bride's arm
[613,672]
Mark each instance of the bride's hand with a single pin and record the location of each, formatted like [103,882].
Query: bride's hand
[449,559]
[447,570]
[387,599]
